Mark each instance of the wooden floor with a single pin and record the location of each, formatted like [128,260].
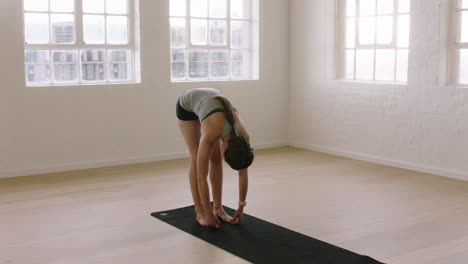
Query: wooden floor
[103,215]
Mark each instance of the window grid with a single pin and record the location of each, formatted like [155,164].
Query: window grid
[457,70]
[393,45]
[188,46]
[49,14]
[80,46]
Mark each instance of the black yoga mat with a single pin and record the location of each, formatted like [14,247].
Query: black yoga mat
[259,241]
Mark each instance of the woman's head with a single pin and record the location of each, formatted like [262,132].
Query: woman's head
[238,154]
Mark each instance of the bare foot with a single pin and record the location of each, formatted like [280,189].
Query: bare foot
[219,212]
[199,215]
[200,219]
[206,221]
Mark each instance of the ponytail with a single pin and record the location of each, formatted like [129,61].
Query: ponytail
[239,155]
[227,111]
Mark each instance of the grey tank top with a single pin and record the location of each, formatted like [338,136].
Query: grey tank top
[201,102]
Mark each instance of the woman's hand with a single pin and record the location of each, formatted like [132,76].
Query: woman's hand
[238,216]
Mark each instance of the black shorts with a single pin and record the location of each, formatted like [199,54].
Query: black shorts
[185,115]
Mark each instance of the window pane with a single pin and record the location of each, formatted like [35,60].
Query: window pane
[384,64]
[240,34]
[218,32]
[385,7]
[367,8]
[240,9]
[463,71]
[349,64]
[62,5]
[93,29]
[199,8]
[63,29]
[65,65]
[36,28]
[365,64]
[404,6]
[92,65]
[177,32]
[384,29]
[199,32]
[350,8]
[198,64]
[239,64]
[117,30]
[218,8]
[37,56]
[350,32]
[177,8]
[464,3]
[402,65]
[178,64]
[119,65]
[219,64]
[464,27]
[403,31]
[367,30]
[93,6]
[37,66]
[36,5]
[116,6]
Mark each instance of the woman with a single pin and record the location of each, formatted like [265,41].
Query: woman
[212,129]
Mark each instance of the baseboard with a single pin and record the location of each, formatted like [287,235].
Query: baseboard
[52,168]
[270,145]
[83,165]
[383,161]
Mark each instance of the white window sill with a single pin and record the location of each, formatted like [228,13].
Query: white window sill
[456,86]
[204,81]
[371,83]
[81,84]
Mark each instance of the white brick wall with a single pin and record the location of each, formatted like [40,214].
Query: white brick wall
[421,126]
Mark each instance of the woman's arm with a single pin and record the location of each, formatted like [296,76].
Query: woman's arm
[243,188]
[243,174]
[243,184]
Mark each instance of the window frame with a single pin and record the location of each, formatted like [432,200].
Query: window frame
[79,45]
[340,67]
[452,27]
[208,47]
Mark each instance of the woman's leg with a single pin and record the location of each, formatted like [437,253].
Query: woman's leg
[216,179]
[191,132]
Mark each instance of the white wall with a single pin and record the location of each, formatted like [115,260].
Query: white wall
[421,126]
[47,129]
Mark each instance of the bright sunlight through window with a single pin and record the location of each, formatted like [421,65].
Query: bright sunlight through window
[458,43]
[210,40]
[373,40]
[79,42]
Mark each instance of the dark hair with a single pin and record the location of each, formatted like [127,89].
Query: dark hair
[228,112]
[239,155]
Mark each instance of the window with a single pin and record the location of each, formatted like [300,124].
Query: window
[79,42]
[458,43]
[373,40]
[211,40]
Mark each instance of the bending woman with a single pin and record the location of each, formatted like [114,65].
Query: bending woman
[212,130]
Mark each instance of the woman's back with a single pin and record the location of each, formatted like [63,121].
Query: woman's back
[201,102]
